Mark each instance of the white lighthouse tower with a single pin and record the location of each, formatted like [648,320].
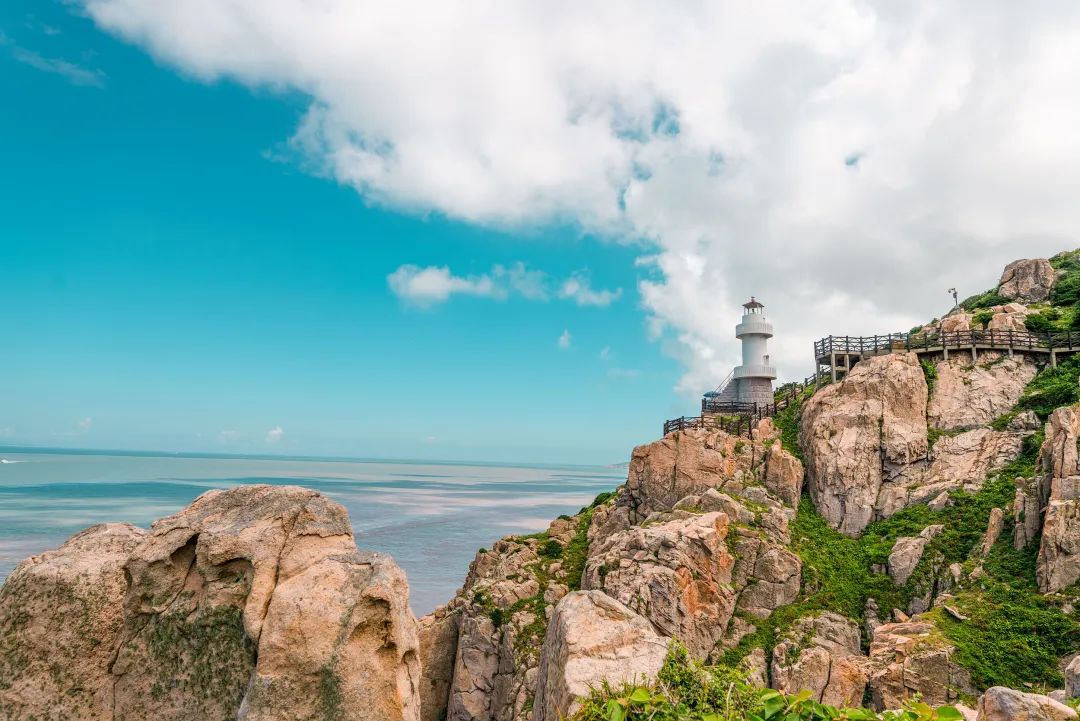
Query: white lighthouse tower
[753,380]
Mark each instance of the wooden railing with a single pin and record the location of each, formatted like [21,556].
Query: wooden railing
[961,339]
[739,419]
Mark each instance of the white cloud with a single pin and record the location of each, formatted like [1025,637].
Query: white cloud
[576,288]
[605,352]
[84,424]
[843,160]
[528,283]
[74,74]
[564,340]
[427,286]
[274,435]
[228,436]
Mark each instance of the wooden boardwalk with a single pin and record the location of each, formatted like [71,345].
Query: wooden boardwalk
[836,354]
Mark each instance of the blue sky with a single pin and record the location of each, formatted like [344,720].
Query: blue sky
[168,283]
[364,228]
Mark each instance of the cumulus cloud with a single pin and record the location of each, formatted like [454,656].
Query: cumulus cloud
[844,160]
[84,424]
[564,340]
[427,286]
[274,435]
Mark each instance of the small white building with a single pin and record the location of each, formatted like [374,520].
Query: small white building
[751,382]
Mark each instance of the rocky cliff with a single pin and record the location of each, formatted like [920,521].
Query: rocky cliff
[252,603]
[909,532]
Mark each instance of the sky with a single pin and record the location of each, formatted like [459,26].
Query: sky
[507,231]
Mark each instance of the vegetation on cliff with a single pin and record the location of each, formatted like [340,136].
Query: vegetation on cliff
[686,690]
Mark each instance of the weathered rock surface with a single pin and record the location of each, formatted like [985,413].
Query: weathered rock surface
[961,462]
[61,621]
[690,462]
[438,634]
[254,604]
[907,552]
[971,395]
[994,526]
[1005,704]
[955,322]
[1072,678]
[821,654]
[593,638]
[503,609]
[1028,281]
[1058,564]
[858,432]
[911,658]
[678,574]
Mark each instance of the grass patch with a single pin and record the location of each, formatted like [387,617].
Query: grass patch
[930,371]
[1052,388]
[1012,637]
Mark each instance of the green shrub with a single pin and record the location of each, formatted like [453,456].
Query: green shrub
[551,549]
[1045,321]
[1067,290]
[930,371]
[686,690]
[983,318]
[984,300]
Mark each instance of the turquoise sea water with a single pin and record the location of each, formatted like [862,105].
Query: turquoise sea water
[431,517]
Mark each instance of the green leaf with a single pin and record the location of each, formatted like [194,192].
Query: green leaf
[640,695]
[949,713]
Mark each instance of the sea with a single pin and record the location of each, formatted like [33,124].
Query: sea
[430,516]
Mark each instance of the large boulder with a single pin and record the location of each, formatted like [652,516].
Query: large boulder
[254,604]
[971,395]
[858,432]
[907,552]
[61,622]
[592,639]
[821,654]
[1005,704]
[678,574]
[1028,281]
[1058,563]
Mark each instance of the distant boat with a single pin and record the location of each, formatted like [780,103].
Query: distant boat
[4,460]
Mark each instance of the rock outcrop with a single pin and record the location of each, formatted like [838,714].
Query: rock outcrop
[678,574]
[593,638]
[822,654]
[859,432]
[252,603]
[1072,678]
[907,552]
[690,462]
[866,438]
[1005,704]
[501,613]
[911,658]
[1028,281]
[1058,564]
[61,622]
[972,394]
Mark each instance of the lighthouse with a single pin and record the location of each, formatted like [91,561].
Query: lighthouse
[753,380]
